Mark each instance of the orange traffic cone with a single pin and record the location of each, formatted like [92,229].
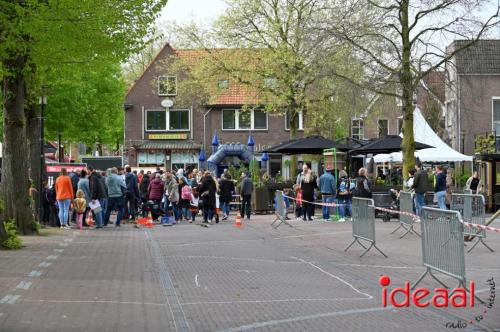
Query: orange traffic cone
[237,222]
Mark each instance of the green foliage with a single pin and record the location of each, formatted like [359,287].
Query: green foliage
[485,143]
[13,241]
[462,179]
[255,172]
[86,105]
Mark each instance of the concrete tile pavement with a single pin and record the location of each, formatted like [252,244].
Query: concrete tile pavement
[189,278]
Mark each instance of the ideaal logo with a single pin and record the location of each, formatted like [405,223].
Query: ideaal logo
[440,298]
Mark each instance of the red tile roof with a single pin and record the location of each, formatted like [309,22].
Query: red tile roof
[237,93]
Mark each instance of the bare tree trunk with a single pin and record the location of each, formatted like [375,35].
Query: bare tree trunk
[15,174]
[408,144]
[33,136]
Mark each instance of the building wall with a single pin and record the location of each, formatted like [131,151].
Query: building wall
[476,93]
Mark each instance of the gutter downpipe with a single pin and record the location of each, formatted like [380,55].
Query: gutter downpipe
[205,128]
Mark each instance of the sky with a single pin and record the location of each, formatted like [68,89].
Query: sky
[184,11]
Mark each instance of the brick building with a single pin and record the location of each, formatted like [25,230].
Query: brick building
[168,124]
[473,94]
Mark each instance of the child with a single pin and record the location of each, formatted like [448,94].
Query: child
[194,204]
[298,201]
[80,206]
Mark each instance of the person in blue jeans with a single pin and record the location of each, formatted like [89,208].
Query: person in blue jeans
[97,186]
[344,194]
[116,188]
[440,187]
[328,188]
[419,185]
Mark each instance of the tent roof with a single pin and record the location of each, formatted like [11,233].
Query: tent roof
[441,152]
[307,145]
[387,144]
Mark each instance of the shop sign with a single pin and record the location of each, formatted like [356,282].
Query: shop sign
[168,136]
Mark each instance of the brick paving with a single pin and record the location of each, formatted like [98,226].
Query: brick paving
[221,278]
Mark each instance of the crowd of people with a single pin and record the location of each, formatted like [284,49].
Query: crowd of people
[168,196]
[308,188]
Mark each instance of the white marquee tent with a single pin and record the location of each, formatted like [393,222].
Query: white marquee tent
[441,152]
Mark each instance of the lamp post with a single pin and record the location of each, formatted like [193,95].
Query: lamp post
[42,101]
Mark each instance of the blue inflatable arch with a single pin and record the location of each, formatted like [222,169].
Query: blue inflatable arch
[229,149]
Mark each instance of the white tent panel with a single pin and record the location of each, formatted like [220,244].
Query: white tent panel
[423,133]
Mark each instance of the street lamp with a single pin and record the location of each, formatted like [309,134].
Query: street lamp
[42,101]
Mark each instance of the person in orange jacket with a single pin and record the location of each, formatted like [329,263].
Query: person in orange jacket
[64,195]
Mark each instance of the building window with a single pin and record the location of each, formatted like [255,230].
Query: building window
[496,116]
[300,123]
[167,85]
[357,128]
[228,119]
[179,119]
[161,120]
[244,120]
[400,124]
[223,84]
[383,127]
[156,120]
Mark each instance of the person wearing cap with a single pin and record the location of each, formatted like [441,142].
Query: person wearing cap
[328,189]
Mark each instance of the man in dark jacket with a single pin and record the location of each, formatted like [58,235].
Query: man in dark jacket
[131,193]
[226,188]
[97,193]
[420,185]
[246,189]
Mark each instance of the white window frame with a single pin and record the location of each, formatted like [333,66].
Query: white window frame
[378,126]
[237,120]
[363,127]
[301,122]
[493,99]
[400,128]
[167,120]
[146,120]
[179,110]
[226,82]
[167,77]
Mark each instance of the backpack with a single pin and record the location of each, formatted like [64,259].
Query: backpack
[50,195]
[344,186]
[186,192]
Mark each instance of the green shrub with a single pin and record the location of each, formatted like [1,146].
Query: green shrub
[13,241]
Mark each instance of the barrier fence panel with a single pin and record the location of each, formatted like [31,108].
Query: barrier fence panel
[280,210]
[472,208]
[363,224]
[442,244]
[405,219]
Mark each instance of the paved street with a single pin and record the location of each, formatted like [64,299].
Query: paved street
[221,278]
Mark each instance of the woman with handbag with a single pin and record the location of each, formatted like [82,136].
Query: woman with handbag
[208,188]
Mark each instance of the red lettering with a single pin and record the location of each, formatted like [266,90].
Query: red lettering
[440,293]
[384,297]
[405,291]
[472,295]
[416,297]
[459,294]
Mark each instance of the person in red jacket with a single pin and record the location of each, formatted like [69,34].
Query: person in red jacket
[64,195]
[155,193]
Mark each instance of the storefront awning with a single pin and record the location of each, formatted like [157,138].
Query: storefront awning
[169,146]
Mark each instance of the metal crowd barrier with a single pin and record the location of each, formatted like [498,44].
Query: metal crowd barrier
[405,220]
[472,208]
[442,244]
[280,211]
[363,223]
